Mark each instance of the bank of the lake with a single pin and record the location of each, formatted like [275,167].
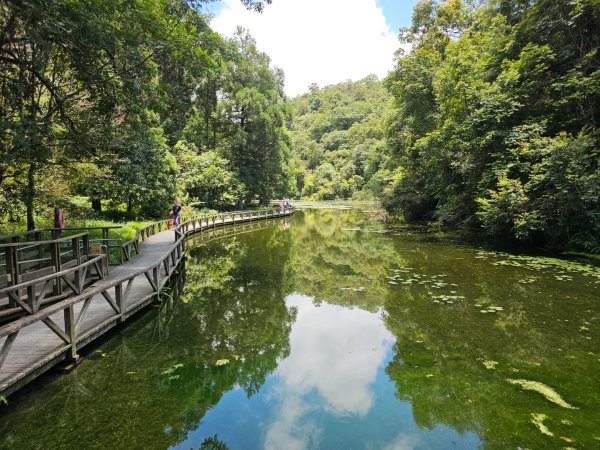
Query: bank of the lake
[330,330]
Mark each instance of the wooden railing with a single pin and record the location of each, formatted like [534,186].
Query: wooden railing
[29,296]
[37,273]
[29,259]
[29,241]
[224,218]
[193,224]
[75,327]
[115,293]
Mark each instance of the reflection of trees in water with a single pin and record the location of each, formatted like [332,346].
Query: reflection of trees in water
[334,250]
[213,443]
[440,353]
[440,362]
[237,309]
[153,382]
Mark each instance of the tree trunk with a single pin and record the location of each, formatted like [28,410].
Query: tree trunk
[96,205]
[30,196]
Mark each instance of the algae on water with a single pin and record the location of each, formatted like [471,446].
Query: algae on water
[538,420]
[541,388]
[490,364]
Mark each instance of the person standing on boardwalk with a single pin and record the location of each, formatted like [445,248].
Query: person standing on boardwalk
[176,213]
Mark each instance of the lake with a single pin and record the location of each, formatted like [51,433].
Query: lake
[333,330]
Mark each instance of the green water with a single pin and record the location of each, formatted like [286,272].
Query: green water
[336,332]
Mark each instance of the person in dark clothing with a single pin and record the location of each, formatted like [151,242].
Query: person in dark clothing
[176,212]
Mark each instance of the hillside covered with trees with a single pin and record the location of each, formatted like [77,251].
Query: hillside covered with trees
[496,119]
[338,139]
[494,123]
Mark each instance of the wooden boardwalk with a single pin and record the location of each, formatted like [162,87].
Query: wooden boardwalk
[32,344]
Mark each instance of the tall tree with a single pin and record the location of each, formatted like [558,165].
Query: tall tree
[253,113]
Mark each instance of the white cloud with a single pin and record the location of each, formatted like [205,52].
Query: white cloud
[335,352]
[320,41]
[404,442]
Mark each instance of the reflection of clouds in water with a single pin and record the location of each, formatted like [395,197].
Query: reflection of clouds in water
[287,432]
[335,351]
[403,442]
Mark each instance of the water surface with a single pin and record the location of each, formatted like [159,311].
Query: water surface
[332,331]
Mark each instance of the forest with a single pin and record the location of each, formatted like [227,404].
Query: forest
[133,104]
[490,121]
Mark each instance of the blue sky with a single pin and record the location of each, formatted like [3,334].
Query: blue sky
[398,13]
[321,41]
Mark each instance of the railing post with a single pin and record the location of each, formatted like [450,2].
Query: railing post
[31,298]
[55,258]
[156,278]
[38,237]
[76,250]
[70,325]
[106,243]
[86,245]
[120,300]
[12,269]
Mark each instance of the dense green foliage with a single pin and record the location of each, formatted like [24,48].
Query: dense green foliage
[120,100]
[490,120]
[338,135]
[497,114]
[494,123]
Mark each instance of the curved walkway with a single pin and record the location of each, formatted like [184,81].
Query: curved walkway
[31,345]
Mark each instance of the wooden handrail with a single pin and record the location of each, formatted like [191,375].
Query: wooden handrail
[52,241]
[51,276]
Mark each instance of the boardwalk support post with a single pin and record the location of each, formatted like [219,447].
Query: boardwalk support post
[71,330]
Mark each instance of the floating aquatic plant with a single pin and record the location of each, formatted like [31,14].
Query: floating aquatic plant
[448,299]
[541,262]
[538,420]
[358,289]
[172,369]
[541,388]
[490,364]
